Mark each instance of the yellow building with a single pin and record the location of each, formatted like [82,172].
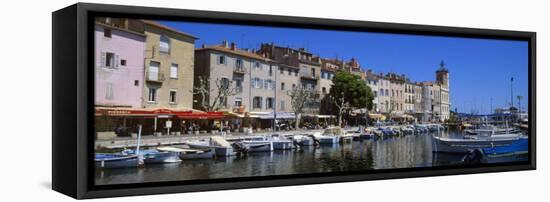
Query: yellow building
[169,61]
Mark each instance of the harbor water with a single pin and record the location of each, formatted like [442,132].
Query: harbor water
[408,151]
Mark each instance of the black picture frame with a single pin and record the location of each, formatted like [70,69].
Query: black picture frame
[72,102]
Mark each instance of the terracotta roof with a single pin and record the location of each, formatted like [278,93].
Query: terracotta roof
[161,26]
[120,29]
[238,52]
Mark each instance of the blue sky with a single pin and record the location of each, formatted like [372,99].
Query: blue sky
[480,69]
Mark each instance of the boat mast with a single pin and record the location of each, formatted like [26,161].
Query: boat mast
[274,98]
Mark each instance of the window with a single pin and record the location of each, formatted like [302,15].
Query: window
[109,60]
[109,94]
[164,44]
[238,85]
[239,63]
[136,82]
[221,59]
[293,86]
[387,92]
[224,83]
[324,90]
[223,101]
[282,86]
[172,96]
[123,62]
[269,103]
[152,95]
[267,84]
[174,71]
[282,106]
[375,93]
[153,73]
[296,72]
[289,72]
[257,102]
[257,65]
[282,70]
[313,72]
[107,33]
[238,102]
[257,83]
[270,70]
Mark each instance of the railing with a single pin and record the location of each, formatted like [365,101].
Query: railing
[239,89]
[239,70]
[309,76]
[154,77]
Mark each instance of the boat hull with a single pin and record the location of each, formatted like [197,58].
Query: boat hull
[162,157]
[446,145]
[282,145]
[328,140]
[218,151]
[259,147]
[116,162]
[200,155]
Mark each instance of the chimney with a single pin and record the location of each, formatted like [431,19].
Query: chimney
[224,43]
[233,46]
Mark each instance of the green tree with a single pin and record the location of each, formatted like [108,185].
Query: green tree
[352,89]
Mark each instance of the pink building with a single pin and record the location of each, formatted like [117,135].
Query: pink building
[119,66]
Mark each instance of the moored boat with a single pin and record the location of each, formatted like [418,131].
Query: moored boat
[220,146]
[115,160]
[462,145]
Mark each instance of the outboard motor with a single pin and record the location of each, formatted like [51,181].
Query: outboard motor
[473,157]
[240,148]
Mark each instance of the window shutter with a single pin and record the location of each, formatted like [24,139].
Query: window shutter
[103,59]
[117,61]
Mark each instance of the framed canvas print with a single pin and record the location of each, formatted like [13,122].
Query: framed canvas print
[157,100]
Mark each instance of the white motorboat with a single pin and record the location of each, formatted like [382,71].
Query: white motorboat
[331,135]
[303,140]
[464,145]
[220,146]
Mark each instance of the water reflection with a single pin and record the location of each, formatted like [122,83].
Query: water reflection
[398,152]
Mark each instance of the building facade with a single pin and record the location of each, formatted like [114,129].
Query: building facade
[119,53]
[252,76]
[169,61]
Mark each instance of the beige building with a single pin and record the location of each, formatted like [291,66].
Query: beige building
[396,90]
[442,80]
[169,61]
[253,77]
[303,64]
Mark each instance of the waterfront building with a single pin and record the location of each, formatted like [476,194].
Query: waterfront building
[418,109]
[253,78]
[169,61]
[442,80]
[426,103]
[119,52]
[303,63]
[409,97]
[397,87]
[373,83]
[384,93]
[329,67]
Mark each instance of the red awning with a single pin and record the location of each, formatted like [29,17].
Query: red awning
[202,115]
[157,112]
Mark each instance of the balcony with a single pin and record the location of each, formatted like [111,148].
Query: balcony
[238,89]
[154,77]
[309,77]
[238,70]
